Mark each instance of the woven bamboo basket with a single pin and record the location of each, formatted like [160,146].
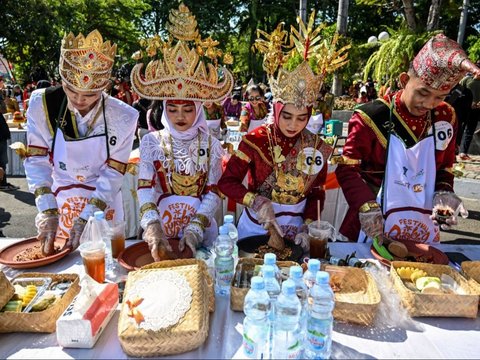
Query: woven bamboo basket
[189,333]
[42,321]
[435,305]
[6,290]
[237,295]
[471,269]
[358,298]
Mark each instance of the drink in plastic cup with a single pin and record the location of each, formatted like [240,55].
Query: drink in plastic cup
[93,256]
[118,238]
[319,233]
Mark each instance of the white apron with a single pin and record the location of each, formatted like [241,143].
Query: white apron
[408,189]
[315,123]
[289,217]
[77,166]
[255,123]
[176,212]
[214,127]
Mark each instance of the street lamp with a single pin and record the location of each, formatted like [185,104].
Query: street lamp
[383,36]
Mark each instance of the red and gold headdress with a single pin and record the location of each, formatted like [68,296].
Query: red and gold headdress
[313,57]
[442,63]
[182,72]
[86,62]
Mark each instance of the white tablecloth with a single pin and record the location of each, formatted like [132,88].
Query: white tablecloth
[431,337]
[15,164]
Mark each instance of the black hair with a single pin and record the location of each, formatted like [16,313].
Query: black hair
[256,88]
[156,114]
[236,96]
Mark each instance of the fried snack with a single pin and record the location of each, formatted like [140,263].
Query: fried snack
[281,254]
[275,241]
[33,253]
[164,254]
[398,249]
[44,303]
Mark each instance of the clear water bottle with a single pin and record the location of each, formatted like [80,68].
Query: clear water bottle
[223,262]
[256,324]
[271,259]
[287,339]
[107,239]
[318,344]
[271,284]
[311,273]
[296,275]
[232,232]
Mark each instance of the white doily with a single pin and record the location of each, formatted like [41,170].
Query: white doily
[167,296]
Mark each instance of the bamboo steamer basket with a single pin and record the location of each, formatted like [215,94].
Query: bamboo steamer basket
[7,290]
[435,305]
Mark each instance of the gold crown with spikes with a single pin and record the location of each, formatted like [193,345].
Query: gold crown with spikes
[310,56]
[86,62]
[181,73]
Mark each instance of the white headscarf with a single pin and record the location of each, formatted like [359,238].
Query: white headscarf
[200,123]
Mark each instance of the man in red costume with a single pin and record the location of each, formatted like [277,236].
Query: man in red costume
[402,143]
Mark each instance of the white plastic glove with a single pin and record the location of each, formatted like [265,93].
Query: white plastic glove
[47,225]
[446,207]
[372,224]
[75,233]
[155,238]
[192,237]
[302,238]
[265,214]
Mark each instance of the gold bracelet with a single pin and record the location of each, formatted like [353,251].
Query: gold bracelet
[202,219]
[369,206]
[50,212]
[147,207]
[197,222]
[102,205]
[248,199]
[42,191]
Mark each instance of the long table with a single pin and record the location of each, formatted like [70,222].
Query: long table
[422,338]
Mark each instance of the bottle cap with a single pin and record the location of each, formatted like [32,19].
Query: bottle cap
[296,272]
[288,287]
[228,219]
[257,283]
[322,277]
[269,259]
[313,265]
[223,230]
[99,215]
[268,271]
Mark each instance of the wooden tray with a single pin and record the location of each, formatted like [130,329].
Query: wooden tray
[7,254]
[137,255]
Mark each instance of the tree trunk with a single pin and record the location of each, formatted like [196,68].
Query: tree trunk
[409,13]
[253,35]
[463,22]
[342,20]
[434,15]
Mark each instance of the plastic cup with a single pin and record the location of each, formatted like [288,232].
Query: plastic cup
[93,256]
[319,233]
[118,238]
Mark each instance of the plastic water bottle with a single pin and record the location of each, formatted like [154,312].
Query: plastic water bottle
[271,259]
[296,275]
[232,232]
[256,325]
[107,239]
[223,262]
[310,275]
[318,344]
[271,284]
[287,339]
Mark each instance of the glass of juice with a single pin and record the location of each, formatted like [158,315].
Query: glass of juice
[118,238]
[93,256]
[319,232]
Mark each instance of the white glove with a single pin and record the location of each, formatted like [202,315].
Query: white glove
[372,223]
[265,214]
[192,237]
[76,232]
[47,225]
[156,239]
[446,207]
[302,238]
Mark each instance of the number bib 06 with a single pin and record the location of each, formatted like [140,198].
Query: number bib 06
[312,158]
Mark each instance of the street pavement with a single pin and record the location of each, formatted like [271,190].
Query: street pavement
[17,208]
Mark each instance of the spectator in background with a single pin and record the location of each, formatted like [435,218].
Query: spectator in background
[124,92]
[232,106]
[3,107]
[254,112]
[4,137]
[362,99]
[18,94]
[141,105]
[154,116]
[461,99]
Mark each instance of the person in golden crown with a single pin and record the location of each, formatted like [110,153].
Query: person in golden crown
[403,142]
[79,141]
[180,165]
[287,164]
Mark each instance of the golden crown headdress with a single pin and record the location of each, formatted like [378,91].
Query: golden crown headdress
[310,56]
[180,73]
[86,62]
